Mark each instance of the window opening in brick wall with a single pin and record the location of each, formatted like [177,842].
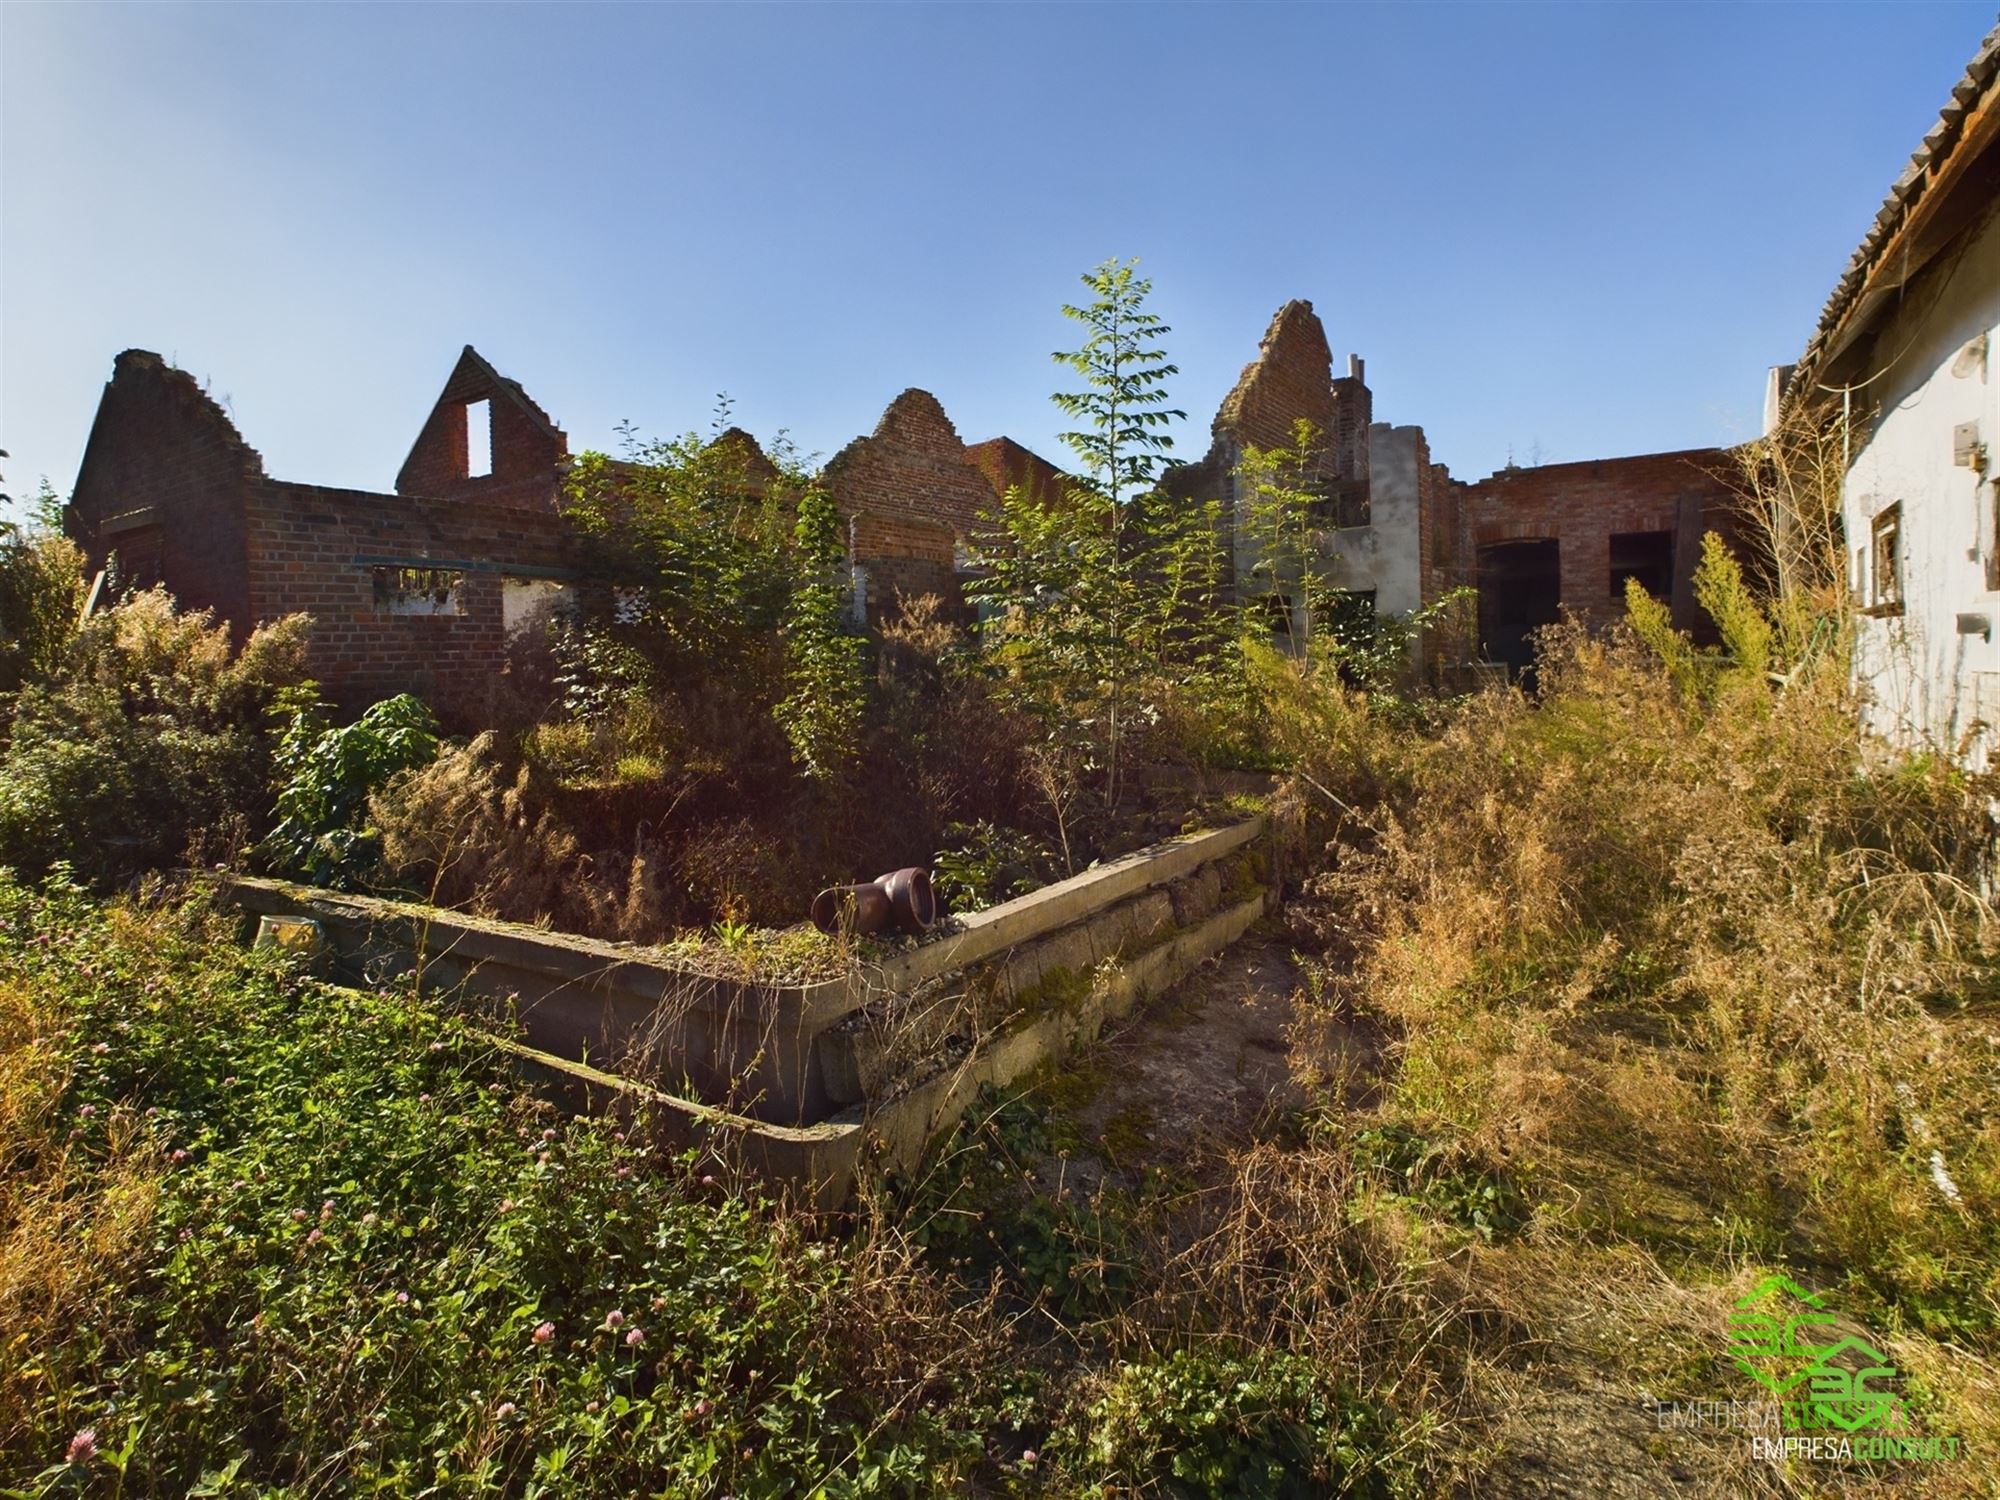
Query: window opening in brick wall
[857,596]
[419,591]
[1885,561]
[1520,592]
[527,605]
[1645,555]
[1339,503]
[478,439]
[138,559]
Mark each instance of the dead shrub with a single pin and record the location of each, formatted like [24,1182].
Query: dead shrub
[469,839]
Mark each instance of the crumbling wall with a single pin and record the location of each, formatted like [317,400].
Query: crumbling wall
[1348,442]
[1290,380]
[528,449]
[162,485]
[911,499]
[407,594]
[1582,506]
[1385,558]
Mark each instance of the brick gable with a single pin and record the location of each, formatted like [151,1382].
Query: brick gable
[529,450]
[910,496]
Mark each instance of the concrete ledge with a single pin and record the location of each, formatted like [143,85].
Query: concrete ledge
[819,1162]
[902,1128]
[734,1042]
[1011,988]
[824,1163]
[590,962]
[985,933]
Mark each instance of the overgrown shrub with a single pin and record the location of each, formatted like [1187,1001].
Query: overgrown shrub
[457,831]
[41,598]
[325,774]
[260,1234]
[153,744]
[1673,935]
[981,865]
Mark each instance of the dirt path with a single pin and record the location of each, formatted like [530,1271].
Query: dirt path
[1163,1102]
[1208,1063]
[1193,1075]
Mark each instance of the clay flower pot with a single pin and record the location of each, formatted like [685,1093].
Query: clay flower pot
[902,899]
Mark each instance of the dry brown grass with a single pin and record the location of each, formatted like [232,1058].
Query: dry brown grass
[1712,983]
[69,1232]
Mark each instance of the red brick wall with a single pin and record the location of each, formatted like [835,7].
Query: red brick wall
[1347,438]
[1291,378]
[903,559]
[163,482]
[908,493]
[310,550]
[528,448]
[1007,465]
[1582,504]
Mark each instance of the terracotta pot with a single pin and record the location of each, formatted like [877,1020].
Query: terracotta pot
[912,899]
[901,899]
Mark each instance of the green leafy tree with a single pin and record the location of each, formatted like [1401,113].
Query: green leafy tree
[702,528]
[1124,400]
[1093,595]
[821,712]
[1283,533]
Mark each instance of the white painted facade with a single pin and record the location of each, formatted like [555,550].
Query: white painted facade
[1919,507]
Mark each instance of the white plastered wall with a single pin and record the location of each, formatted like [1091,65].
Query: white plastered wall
[1930,675]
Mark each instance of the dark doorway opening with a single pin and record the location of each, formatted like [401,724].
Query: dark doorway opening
[1647,556]
[1520,589]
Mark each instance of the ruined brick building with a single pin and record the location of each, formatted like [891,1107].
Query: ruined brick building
[420,589]
[1399,532]
[409,591]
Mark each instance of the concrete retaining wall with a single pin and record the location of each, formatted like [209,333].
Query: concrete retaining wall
[814,1083]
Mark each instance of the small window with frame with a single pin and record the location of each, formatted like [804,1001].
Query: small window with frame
[1885,561]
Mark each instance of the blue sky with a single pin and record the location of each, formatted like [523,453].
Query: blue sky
[1556,231]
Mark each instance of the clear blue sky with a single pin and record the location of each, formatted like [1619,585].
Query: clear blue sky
[1571,230]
